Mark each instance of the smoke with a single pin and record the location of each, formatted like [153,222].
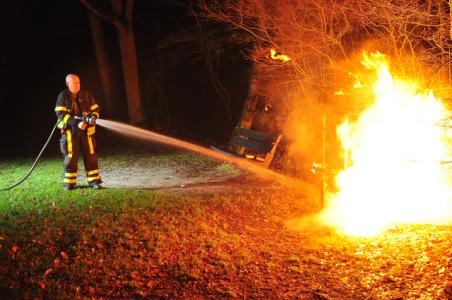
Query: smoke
[303,131]
[310,224]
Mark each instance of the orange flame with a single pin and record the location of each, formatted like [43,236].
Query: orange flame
[281,57]
[395,149]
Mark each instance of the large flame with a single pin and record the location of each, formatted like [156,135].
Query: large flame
[396,147]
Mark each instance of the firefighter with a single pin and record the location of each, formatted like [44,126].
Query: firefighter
[73,108]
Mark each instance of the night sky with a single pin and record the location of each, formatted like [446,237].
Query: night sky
[42,41]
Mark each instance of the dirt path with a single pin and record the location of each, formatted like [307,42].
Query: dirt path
[174,172]
[159,177]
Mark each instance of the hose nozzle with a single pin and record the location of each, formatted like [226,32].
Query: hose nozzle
[91,120]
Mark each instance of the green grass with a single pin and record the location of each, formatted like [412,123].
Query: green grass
[44,222]
[120,243]
[43,190]
[227,169]
[115,242]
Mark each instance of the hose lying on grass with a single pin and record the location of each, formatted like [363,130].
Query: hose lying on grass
[34,164]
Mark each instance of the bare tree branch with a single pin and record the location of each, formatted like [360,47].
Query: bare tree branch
[324,40]
[116,20]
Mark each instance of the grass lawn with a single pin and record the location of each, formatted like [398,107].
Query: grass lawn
[230,244]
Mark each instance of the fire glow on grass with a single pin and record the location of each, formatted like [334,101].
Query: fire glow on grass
[395,174]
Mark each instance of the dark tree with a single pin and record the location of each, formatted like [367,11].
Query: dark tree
[120,15]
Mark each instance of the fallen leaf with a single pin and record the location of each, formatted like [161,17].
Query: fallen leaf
[48,272]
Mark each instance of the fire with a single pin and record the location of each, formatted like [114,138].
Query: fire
[394,152]
[281,57]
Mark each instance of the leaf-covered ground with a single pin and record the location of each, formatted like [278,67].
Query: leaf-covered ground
[233,246]
[233,243]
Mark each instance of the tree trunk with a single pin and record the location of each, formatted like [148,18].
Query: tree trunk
[103,65]
[130,70]
[249,107]
[121,17]
[126,39]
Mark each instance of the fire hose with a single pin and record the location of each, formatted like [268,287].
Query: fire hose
[85,119]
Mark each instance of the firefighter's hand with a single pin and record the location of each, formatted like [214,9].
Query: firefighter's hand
[82,125]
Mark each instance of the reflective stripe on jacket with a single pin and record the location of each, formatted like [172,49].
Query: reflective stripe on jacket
[65,112]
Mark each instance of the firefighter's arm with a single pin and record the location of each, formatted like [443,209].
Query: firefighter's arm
[63,113]
[94,109]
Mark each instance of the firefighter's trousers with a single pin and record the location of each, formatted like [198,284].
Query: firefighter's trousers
[72,144]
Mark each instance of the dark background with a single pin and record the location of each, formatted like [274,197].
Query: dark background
[42,41]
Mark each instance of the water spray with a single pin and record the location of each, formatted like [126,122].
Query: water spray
[148,135]
[264,173]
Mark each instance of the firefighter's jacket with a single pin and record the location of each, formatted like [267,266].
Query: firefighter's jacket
[82,105]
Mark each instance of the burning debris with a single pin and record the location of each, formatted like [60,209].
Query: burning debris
[280,57]
[394,150]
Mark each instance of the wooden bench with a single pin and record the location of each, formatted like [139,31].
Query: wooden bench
[260,147]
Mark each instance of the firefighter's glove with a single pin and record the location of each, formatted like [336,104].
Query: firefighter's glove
[82,125]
